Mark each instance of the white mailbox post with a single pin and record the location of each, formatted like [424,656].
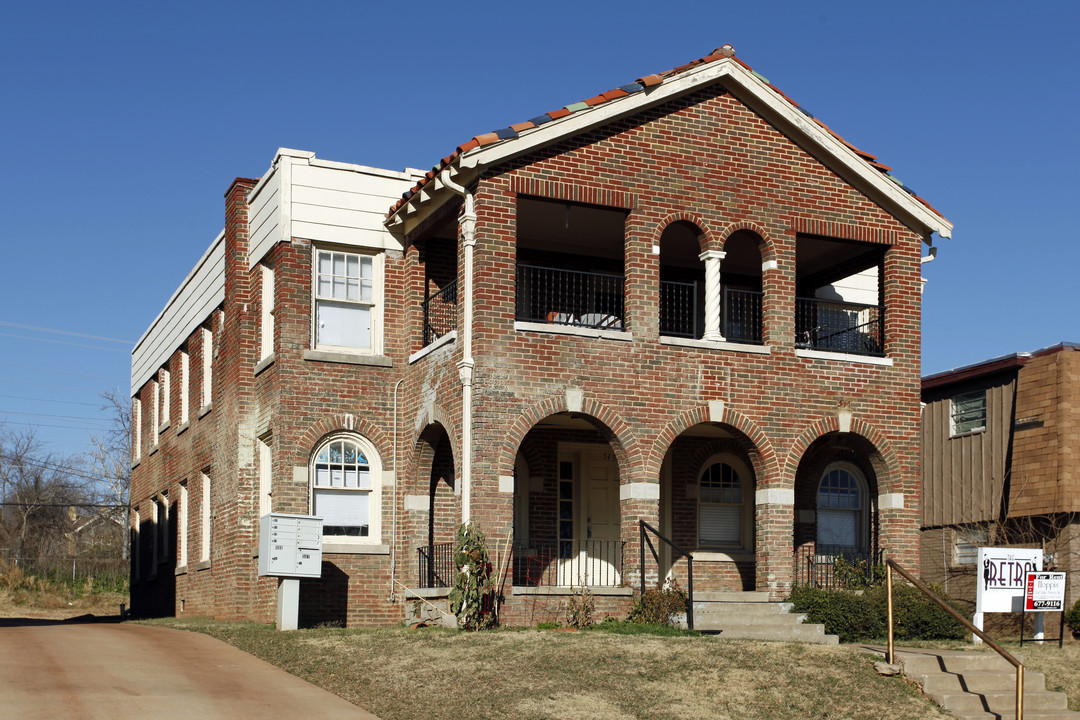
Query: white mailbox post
[290,547]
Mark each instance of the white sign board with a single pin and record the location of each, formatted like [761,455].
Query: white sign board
[1002,578]
[1044,592]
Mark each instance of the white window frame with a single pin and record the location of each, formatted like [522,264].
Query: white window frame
[967,540]
[185,385]
[136,550]
[136,428]
[375,304]
[374,491]
[266,467]
[163,381]
[161,528]
[182,525]
[861,513]
[206,517]
[266,316]
[963,428]
[746,505]
[207,366]
[156,417]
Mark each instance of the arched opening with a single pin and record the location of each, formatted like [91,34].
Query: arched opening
[435,514]
[682,282]
[740,277]
[836,491]
[567,519]
[707,486]
[345,488]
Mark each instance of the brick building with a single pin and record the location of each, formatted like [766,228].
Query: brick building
[683,301]
[1001,444]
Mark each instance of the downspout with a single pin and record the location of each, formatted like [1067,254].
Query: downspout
[466,364]
[397,484]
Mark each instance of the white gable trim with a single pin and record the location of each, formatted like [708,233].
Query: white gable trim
[749,89]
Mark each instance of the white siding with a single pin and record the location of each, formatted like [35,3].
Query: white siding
[328,202]
[861,288]
[264,215]
[201,292]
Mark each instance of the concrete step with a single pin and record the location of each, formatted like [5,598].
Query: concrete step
[738,608]
[751,596]
[915,661]
[812,634]
[702,622]
[1001,701]
[976,681]
[1028,715]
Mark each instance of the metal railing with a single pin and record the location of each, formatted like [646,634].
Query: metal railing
[679,309]
[646,528]
[815,565]
[740,321]
[440,312]
[568,563]
[435,564]
[890,655]
[839,327]
[742,316]
[570,297]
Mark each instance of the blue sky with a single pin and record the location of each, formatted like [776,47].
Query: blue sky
[124,123]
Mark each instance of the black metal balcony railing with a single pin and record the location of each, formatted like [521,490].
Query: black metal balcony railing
[568,563]
[440,312]
[815,565]
[839,327]
[570,297]
[679,313]
[436,565]
[742,316]
[678,309]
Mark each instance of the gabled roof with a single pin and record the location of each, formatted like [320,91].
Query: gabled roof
[857,166]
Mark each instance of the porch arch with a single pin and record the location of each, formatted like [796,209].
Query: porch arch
[885,463]
[706,238]
[763,457]
[765,244]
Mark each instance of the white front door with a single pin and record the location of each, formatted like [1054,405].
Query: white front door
[602,527]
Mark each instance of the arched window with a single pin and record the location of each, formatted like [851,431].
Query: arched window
[841,507]
[723,507]
[345,485]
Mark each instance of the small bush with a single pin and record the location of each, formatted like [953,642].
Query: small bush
[658,607]
[579,609]
[862,615]
[1072,617]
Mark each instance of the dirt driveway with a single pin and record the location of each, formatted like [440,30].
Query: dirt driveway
[115,671]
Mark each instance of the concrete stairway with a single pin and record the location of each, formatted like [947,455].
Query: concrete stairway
[981,685]
[752,616]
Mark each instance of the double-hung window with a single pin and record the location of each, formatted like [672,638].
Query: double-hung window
[721,507]
[346,295]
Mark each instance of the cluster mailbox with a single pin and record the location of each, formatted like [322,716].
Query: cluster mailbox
[290,545]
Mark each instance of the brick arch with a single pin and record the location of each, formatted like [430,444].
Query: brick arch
[884,461]
[345,422]
[762,455]
[423,456]
[623,441]
[439,416]
[767,246]
[706,238]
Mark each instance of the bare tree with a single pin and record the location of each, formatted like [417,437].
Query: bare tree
[109,462]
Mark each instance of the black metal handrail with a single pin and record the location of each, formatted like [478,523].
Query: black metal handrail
[815,565]
[440,312]
[840,327]
[679,313]
[435,564]
[568,563]
[678,309]
[742,316]
[646,528]
[570,297]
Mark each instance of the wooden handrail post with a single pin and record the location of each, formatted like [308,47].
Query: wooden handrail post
[890,652]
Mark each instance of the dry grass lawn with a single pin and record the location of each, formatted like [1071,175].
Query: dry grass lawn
[402,674]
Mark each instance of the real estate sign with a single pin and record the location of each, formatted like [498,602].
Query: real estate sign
[1044,592]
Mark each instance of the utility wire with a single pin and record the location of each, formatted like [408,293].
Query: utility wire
[56,387]
[64,342]
[8,323]
[50,466]
[56,417]
[36,399]
[62,372]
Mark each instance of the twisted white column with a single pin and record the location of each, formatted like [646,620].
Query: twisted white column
[712,259]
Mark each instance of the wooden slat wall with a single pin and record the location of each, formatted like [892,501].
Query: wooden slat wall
[963,476]
[264,216]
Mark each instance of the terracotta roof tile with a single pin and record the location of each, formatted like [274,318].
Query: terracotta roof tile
[721,53]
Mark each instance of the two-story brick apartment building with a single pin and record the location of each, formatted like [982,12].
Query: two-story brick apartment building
[683,301]
[1001,444]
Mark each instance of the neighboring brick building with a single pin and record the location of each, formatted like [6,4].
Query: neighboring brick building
[636,307]
[1001,447]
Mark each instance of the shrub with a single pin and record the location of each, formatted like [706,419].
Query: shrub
[472,598]
[658,607]
[579,608]
[1072,617]
[862,615]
